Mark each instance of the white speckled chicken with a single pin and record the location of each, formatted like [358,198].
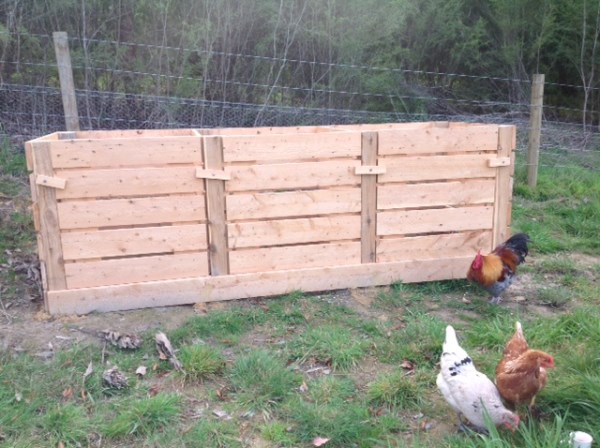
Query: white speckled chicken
[469,391]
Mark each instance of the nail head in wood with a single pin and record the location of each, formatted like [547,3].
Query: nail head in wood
[366,170]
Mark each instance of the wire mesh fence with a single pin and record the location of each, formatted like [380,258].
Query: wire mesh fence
[114,92]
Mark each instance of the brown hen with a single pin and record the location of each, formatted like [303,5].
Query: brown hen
[521,373]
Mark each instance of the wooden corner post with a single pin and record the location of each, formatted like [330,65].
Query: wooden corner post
[65,75]
[215,207]
[504,183]
[368,232]
[49,242]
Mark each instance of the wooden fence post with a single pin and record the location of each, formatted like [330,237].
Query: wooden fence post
[215,208]
[507,137]
[65,74]
[369,200]
[535,129]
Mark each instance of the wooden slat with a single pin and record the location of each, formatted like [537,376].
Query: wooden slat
[124,133]
[49,181]
[294,257]
[292,203]
[293,231]
[402,222]
[502,203]
[228,287]
[128,182]
[405,169]
[436,194]
[368,219]
[434,246]
[52,253]
[136,241]
[215,198]
[131,270]
[29,155]
[134,211]
[437,139]
[284,147]
[265,130]
[116,152]
[292,176]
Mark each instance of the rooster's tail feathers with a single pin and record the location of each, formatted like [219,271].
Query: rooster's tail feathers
[518,244]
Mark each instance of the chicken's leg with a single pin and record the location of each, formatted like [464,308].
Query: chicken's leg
[495,300]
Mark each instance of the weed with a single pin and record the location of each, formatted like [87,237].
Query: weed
[66,423]
[279,433]
[394,390]
[556,297]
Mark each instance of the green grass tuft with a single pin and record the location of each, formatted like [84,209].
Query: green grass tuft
[66,423]
[200,361]
[261,380]
[213,434]
[395,390]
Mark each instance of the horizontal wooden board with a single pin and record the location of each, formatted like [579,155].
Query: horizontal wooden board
[136,241]
[265,130]
[240,286]
[452,193]
[293,203]
[133,211]
[293,231]
[88,274]
[292,176]
[289,147]
[294,257]
[129,182]
[122,152]
[422,168]
[125,133]
[438,139]
[434,246]
[403,222]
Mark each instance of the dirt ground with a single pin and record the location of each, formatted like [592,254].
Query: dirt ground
[25,326]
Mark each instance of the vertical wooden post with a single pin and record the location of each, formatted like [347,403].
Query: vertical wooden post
[503,197]
[65,74]
[49,243]
[535,129]
[368,234]
[215,208]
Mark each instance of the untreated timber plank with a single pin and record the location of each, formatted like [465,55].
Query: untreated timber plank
[402,222]
[294,231]
[115,152]
[436,194]
[132,211]
[368,217]
[434,246]
[301,146]
[88,274]
[228,287]
[128,182]
[79,245]
[291,176]
[215,198]
[421,168]
[438,139]
[294,257]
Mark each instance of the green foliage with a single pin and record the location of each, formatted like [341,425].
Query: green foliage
[66,423]
[261,380]
[200,361]
[395,390]
[213,434]
[333,345]
[143,416]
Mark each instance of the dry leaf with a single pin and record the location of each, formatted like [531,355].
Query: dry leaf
[18,396]
[83,394]
[115,378]
[222,393]
[88,371]
[406,364]
[141,371]
[67,393]
[154,390]
[200,308]
[60,445]
[222,414]
[319,441]
[303,387]
[165,350]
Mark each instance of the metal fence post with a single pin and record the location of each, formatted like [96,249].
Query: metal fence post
[65,74]
[535,129]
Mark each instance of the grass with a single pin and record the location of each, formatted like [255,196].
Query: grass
[280,372]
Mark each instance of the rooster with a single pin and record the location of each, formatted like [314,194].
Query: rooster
[521,373]
[470,393]
[496,271]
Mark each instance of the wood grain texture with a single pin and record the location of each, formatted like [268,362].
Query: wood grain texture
[503,202]
[368,217]
[230,287]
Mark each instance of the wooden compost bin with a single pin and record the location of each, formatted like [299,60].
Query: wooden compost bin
[131,219]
